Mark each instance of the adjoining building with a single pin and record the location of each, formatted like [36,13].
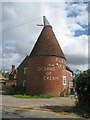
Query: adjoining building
[22,73]
[12,76]
[2,80]
[44,71]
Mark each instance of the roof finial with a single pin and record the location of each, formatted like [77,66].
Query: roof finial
[45,21]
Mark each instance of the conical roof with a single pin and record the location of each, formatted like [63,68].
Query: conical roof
[47,44]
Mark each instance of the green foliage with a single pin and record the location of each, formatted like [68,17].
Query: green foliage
[6,75]
[82,84]
[83,93]
[76,74]
[32,97]
[2,84]
[67,93]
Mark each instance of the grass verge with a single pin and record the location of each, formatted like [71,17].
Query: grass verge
[32,97]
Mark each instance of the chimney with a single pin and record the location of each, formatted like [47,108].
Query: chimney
[13,66]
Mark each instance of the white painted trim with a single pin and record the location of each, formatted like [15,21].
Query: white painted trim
[24,82]
[64,80]
[25,70]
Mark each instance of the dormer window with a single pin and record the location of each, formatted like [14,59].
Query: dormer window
[25,70]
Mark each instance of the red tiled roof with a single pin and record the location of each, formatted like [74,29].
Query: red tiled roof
[47,44]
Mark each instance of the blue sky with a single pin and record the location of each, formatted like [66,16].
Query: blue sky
[74,14]
[70,25]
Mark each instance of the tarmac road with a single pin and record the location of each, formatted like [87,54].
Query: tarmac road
[35,108]
[9,112]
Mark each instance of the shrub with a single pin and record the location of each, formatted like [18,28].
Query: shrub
[83,93]
[82,85]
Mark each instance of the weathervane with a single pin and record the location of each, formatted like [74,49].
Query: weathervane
[40,25]
[45,21]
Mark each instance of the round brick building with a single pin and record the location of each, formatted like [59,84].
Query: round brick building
[46,65]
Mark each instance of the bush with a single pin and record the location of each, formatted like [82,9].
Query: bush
[82,85]
[83,93]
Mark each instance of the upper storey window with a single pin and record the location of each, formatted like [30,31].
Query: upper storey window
[25,70]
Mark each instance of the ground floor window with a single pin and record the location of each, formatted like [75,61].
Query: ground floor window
[24,83]
[64,80]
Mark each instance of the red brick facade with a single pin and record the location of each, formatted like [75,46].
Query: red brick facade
[46,71]
[45,75]
[11,83]
[21,76]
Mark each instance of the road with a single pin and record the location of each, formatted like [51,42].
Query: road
[37,108]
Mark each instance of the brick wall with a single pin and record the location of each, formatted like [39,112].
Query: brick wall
[45,75]
[20,73]
[10,83]
[69,78]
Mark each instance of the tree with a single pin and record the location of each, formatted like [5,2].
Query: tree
[75,75]
[6,75]
[82,85]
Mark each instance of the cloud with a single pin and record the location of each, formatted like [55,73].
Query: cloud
[77,60]
[79,67]
[65,18]
[77,45]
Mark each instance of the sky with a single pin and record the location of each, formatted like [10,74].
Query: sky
[69,22]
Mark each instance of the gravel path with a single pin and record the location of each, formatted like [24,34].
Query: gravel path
[19,102]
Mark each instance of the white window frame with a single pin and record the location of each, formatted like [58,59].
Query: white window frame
[70,83]
[71,73]
[24,82]
[25,70]
[64,80]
